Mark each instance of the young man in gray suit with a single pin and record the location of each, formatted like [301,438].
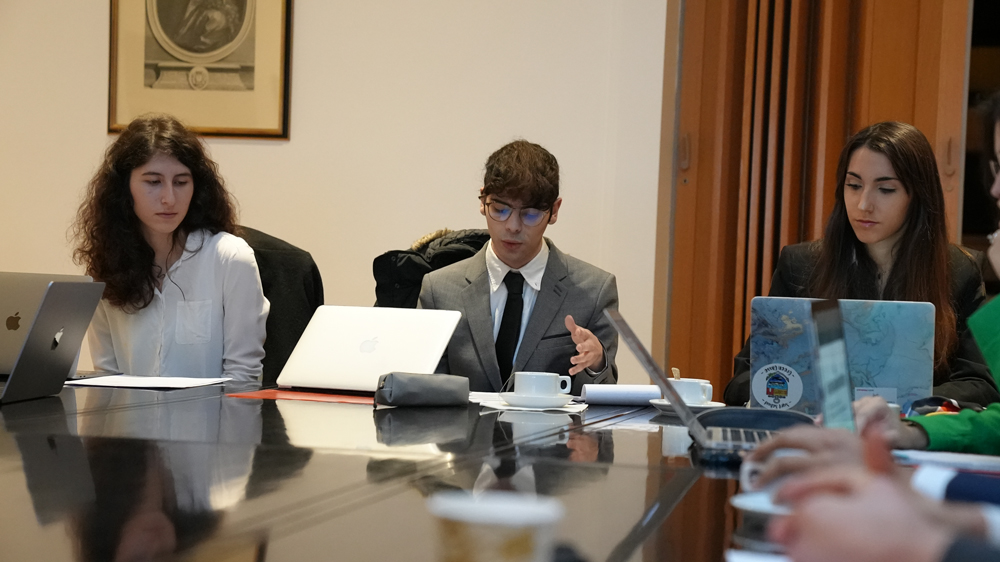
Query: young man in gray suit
[525,305]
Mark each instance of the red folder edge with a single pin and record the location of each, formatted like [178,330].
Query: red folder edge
[275,394]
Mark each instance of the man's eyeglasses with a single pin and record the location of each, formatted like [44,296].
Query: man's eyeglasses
[500,212]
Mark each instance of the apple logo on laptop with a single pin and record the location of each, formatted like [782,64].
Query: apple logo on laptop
[14,322]
[368,346]
[56,338]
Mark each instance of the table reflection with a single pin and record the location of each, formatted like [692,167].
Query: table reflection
[200,475]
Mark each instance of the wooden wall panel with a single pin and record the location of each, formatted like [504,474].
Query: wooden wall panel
[709,133]
[741,285]
[953,91]
[828,116]
[775,119]
[794,133]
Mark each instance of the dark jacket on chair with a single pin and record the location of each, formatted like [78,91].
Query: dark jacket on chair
[294,287]
[398,273]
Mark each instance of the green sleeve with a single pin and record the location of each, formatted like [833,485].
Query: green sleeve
[965,432]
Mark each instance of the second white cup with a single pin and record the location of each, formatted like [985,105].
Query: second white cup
[693,391]
[541,384]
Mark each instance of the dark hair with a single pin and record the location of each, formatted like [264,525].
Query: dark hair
[109,238]
[990,111]
[524,171]
[920,271]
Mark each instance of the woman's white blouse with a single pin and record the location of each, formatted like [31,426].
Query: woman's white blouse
[206,321]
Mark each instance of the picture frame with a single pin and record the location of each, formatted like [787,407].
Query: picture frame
[222,67]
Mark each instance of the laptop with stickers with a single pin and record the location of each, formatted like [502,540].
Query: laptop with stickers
[890,345]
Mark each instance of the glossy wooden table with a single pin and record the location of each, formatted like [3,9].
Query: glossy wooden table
[99,474]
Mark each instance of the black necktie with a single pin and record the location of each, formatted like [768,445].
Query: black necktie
[510,324]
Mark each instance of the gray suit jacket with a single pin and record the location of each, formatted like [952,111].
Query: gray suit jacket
[569,286]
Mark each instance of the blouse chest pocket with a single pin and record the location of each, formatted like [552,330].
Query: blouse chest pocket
[194,322]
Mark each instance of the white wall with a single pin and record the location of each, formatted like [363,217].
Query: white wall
[395,106]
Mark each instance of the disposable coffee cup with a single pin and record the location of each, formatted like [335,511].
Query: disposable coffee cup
[529,383]
[495,526]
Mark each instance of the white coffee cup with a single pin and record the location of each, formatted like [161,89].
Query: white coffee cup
[693,391]
[529,383]
[495,526]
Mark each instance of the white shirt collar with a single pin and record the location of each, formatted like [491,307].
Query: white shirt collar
[195,240]
[533,271]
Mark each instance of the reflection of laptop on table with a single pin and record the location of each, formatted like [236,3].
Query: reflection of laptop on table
[716,444]
[348,348]
[53,340]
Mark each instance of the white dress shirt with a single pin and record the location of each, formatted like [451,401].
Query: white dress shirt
[533,271]
[207,320]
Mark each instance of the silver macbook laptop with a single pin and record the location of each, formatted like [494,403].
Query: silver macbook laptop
[890,345]
[53,340]
[348,347]
[715,444]
[20,298]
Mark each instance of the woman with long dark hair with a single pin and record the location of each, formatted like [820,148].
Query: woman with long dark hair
[183,295]
[886,240]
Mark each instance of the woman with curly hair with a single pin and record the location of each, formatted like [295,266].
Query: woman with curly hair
[886,240]
[183,295]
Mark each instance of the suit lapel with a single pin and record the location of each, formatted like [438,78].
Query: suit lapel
[547,305]
[476,298]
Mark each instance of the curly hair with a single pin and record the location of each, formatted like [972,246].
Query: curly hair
[524,171]
[921,271]
[108,233]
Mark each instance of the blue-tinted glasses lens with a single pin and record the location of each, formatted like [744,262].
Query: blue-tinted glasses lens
[531,217]
[499,212]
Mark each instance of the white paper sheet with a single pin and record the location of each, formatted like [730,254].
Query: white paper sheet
[159,383]
[620,394]
[480,397]
[571,408]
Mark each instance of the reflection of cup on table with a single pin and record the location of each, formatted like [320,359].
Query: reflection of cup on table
[693,391]
[675,440]
[530,383]
[526,424]
[495,526]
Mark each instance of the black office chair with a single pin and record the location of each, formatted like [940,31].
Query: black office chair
[398,273]
[293,286]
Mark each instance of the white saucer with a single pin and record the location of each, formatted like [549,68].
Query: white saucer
[529,401]
[758,502]
[664,406]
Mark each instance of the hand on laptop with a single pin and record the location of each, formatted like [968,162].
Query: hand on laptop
[872,413]
[589,348]
[823,447]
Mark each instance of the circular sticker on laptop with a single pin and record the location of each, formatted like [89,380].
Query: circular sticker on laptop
[776,386]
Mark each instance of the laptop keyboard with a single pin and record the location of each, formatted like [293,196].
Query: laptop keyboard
[740,438]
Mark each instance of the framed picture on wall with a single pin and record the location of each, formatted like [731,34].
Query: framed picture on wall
[220,66]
